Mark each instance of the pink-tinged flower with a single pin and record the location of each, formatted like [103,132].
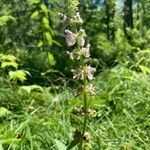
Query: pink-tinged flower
[89,71]
[78,74]
[75,54]
[83,72]
[85,51]
[70,38]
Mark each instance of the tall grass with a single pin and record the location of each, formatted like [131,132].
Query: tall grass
[46,121]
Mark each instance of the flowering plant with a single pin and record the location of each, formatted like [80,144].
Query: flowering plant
[75,37]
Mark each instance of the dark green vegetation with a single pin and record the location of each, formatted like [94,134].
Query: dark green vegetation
[37,92]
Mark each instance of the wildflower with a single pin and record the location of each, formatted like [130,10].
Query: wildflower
[83,72]
[82,33]
[81,111]
[81,36]
[89,71]
[90,90]
[87,137]
[76,18]
[75,54]
[70,38]
[78,74]
[85,51]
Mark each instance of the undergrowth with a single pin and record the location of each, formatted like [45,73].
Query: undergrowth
[41,120]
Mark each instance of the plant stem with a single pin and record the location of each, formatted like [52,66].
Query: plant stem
[84,99]
[85,115]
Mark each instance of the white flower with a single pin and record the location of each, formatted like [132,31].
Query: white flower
[82,33]
[90,89]
[81,36]
[89,71]
[76,18]
[70,38]
[83,72]
[78,74]
[85,51]
[82,41]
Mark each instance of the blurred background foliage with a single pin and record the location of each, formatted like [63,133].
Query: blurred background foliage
[36,86]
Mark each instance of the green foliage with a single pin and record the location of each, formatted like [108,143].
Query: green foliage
[5,19]
[31,88]
[37,108]
[4,112]
[18,75]
[8,60]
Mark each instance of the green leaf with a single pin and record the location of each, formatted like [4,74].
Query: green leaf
[5,19]
[36,1]
[144,69]
[35,15]
[4,112]
[33,1]
[44,7]
[46,22]
[7,64]
[31,88]
[73,143]
[144,51]
[1,147]
[18,75]
[60,145]
[51,59]
[48,38]
[58,44]
[40,44]
[7,57]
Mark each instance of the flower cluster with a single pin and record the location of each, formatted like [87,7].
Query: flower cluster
[72,38]
[81,52]
[75,38]
[80,111]
[78,54]
[82,73]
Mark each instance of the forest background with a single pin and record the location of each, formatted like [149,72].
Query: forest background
[37,100]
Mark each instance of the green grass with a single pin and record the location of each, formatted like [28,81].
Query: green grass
[42,120]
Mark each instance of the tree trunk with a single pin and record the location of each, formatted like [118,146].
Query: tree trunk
[138,9]
[110,13]
[128,15]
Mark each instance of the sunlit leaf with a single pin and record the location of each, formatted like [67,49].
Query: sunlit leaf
[40,44]
[18,75]
[48,38]
[4,112]
[35,15]
[31,87]
[60,145]
[51,59]
[144,69]
[44,7]
[5,19]
[7,57]
[8,64]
